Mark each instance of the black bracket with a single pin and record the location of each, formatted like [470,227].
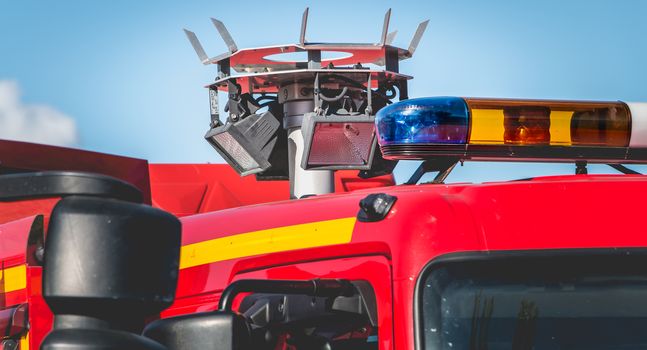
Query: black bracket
[315,288]
[443,166]
[239,105]
[224,69]
[623,169]
[314,59]
[375,207]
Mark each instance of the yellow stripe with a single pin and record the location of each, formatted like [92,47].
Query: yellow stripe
[310,235]
[14,278]
[487,127]
[24,342]
[560,128]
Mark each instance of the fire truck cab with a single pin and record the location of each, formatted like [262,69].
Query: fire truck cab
[321,249]
[547,262]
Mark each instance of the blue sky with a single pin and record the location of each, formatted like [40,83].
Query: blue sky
[124,71]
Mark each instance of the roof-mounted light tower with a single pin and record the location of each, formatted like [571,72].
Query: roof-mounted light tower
[304,119]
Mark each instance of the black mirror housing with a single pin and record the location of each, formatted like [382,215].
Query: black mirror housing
[109,265]
[218,330]
[110,258]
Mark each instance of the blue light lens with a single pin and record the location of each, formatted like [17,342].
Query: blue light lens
[442,120]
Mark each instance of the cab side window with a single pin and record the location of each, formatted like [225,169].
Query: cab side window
[298,322]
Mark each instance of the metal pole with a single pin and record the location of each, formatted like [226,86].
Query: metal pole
[303,182]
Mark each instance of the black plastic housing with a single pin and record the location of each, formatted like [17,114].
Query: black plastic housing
[253,137]
[218,330]
[92,339]
[23,186]
[110,259]
[375,207]
[109,265]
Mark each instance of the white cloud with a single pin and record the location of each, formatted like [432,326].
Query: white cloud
[33,123]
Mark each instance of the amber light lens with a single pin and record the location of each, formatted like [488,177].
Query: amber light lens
[526,125]
[601,126]
[561,123]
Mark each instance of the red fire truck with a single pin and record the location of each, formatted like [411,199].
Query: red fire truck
[320,249]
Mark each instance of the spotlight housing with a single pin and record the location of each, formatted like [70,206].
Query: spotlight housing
[338,142]
[246,144]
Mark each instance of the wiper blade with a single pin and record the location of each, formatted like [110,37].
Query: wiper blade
[524,334]
[481,316]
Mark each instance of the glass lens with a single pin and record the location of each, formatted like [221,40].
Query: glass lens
[537,303]
[560,123]
[236,152]
[432,120]
[341,143]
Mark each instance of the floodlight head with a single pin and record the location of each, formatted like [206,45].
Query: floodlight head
[248,143]
[337,142]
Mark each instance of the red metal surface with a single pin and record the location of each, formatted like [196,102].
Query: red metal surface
[41,318]
[13,245]
[374,269]
[35,157]
[427,221]
[185,189]
[270,82]
[13,320]
[182,189]
[13,249]
[12,211]
[253,59]
[563,212]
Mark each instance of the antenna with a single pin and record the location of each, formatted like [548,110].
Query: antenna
[391,37]
[224,33]
[304,25]
[197,46]
[417,36]
[385,27]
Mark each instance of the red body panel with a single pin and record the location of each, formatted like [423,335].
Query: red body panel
[182,189]
[426,221]
[24,156]
[185,189]
[26,290]
[14,242]
[374,269]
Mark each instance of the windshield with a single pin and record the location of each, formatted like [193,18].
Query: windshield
[523,303]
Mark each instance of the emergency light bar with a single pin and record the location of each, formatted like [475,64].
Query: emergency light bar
[502,129]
